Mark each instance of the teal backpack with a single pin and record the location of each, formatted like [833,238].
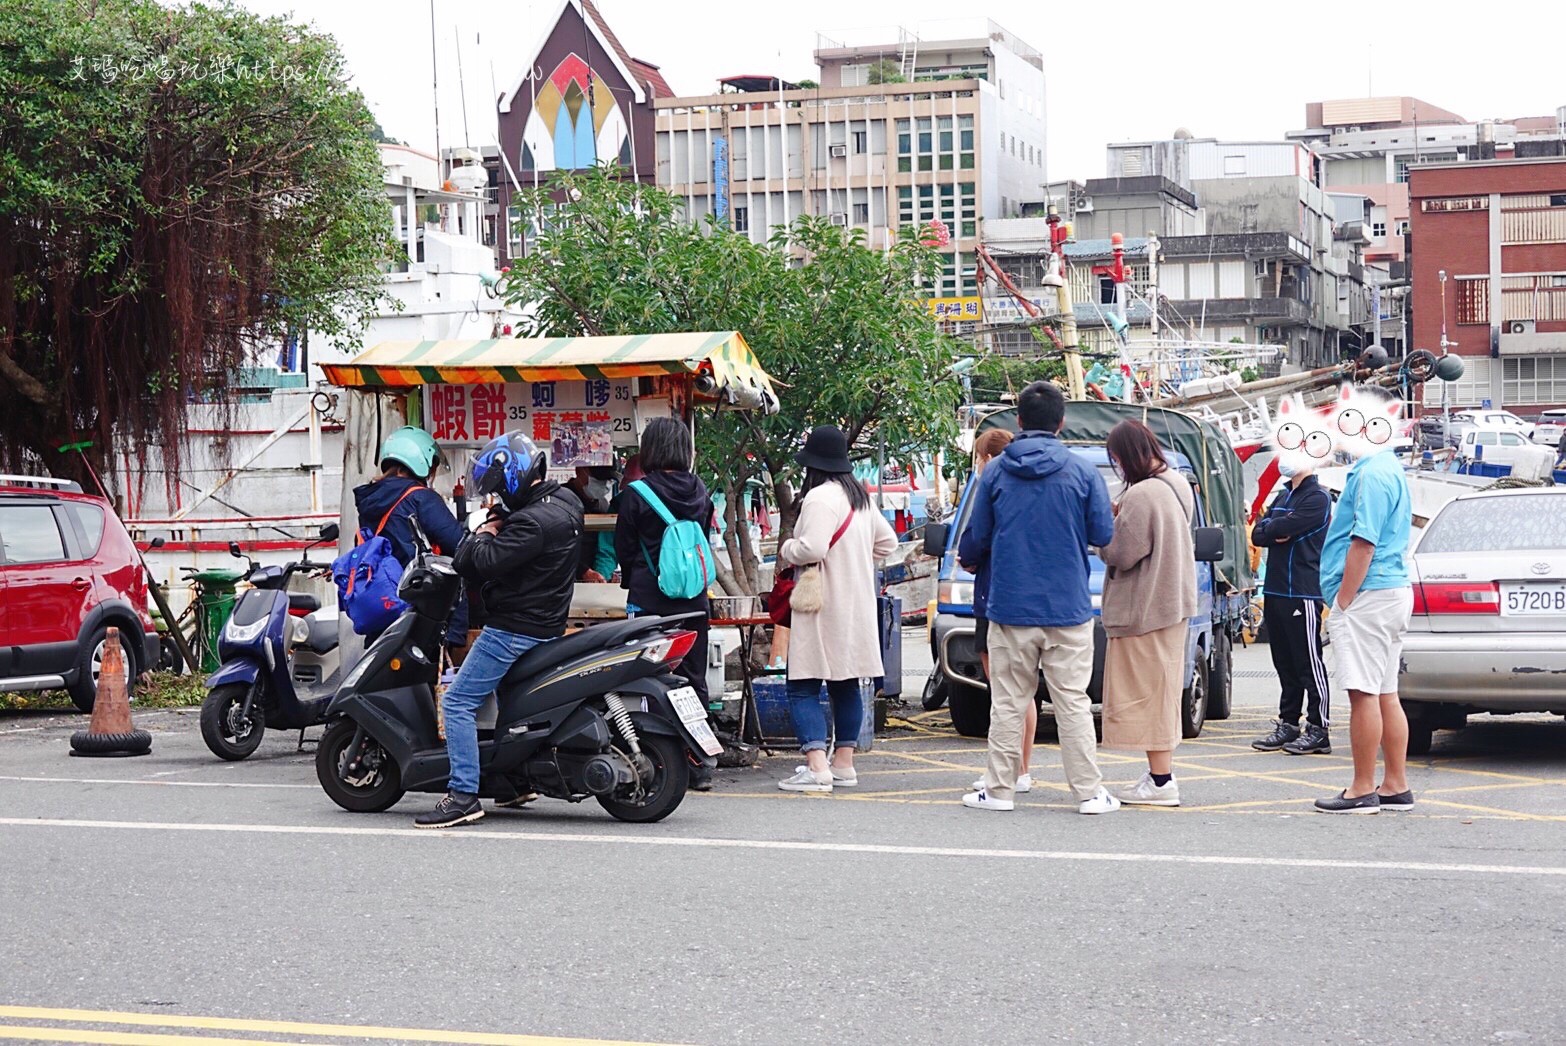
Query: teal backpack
[685,563]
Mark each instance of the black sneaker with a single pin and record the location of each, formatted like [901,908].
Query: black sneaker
[1401,801]
[1314,741]
[454,808]
[1370,803]
[1282,734]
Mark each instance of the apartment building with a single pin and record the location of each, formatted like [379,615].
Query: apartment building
[899,132]
[1489,274]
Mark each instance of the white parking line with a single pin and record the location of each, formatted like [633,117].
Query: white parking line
[147,781]
[599,838]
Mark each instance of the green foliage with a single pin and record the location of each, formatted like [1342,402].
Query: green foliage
[997,376]
[807,85]
[885,71]
[153,690]
[839,326]
[178,184]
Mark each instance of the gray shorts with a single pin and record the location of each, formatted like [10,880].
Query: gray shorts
[1367,640]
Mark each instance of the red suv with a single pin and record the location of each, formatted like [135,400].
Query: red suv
[68,571]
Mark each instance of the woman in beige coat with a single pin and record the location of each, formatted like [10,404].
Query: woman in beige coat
[1149,592]
[840,643]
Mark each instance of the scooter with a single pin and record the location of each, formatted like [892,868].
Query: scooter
[279,659]
[598,714]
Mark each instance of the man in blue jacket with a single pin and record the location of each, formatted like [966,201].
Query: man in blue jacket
[1038,510]
[1292,532]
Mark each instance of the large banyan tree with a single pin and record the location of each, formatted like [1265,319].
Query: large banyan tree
[178,186]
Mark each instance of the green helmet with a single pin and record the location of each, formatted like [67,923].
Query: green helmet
[413,447]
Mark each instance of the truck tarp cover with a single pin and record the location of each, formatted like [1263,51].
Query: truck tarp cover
[1202,444]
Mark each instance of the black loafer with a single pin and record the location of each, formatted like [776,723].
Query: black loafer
[1401,801]
[1370,803]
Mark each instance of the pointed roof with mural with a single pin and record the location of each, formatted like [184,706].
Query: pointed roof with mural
[647,81]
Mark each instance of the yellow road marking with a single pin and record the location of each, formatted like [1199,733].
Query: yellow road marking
[160,1020]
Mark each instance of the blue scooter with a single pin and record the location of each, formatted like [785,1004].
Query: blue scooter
[279,659]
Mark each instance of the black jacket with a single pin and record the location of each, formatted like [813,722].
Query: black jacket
[525,572]
[638,535]
[1300,516]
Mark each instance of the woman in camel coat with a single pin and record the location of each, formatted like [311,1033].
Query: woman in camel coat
[839,644]
[1149,593]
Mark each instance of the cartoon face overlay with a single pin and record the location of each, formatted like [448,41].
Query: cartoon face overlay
[1363,423]
[1302,437]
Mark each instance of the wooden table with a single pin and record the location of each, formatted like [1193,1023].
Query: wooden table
[749,714]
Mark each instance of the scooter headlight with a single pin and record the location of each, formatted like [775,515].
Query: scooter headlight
[239,634]
[299,631]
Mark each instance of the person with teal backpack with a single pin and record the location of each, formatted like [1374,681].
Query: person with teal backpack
[660,539]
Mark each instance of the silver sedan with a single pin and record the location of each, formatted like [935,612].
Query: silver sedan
[1489,627]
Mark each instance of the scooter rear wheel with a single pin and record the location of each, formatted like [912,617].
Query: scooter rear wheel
[221,727]
[671,777]
[377,787]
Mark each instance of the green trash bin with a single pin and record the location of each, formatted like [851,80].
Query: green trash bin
[215,598]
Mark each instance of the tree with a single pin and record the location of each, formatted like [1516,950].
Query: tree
[885,71]
[177,186]
[838,325]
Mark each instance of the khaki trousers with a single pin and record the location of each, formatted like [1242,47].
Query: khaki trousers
[1065,655]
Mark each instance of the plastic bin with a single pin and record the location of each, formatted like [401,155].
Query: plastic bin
[890,609]
[777,725]
[215,601]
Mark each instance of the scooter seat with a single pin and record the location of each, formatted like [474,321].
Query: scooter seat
[595,637]
[323,634]
[303,603]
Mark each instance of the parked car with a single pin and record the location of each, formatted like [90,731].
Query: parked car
[1489,627]
[1502,420]
[68,571]
[1549,428]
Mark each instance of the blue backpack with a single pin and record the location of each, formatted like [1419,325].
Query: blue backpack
[685,562]
[367,577]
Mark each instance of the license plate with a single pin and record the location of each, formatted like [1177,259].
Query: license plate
[691,712]
[1537,599]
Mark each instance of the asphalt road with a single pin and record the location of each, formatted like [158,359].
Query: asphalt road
[182,888]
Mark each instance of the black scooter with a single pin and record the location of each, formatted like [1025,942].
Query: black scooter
[597,714]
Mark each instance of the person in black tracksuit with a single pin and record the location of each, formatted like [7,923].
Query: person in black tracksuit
[1292,532]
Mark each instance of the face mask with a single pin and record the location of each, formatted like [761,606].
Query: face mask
[1287,470]
[597,489]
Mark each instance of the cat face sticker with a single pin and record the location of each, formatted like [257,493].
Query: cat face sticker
[1302,437]
[1364,423]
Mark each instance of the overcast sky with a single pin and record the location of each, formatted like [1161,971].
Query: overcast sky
[1127,71]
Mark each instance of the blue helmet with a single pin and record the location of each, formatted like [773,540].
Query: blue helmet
[508,465]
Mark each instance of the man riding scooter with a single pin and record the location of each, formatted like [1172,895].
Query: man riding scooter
[523,561]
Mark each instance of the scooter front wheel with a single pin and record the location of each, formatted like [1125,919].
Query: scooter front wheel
[361,777]
[225,727]
[657,799]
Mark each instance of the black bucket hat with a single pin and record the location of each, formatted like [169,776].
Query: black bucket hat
[826,448]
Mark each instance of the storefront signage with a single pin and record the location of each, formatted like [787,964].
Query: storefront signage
[1455,203]
[956,310]
[575,422]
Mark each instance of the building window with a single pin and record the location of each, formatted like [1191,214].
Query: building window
[861,214]
[1558,199]
[1233,165]
[1378,230]
[741,219]
[861,141]
[1472,305]
[1533,379]
[1402,227]
[1106,290]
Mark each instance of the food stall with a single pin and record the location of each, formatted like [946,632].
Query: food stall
[584,401]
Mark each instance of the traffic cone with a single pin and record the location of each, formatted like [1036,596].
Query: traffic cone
[110,732]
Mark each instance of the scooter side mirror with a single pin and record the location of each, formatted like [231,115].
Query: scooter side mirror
[329,532]
[156,543]
[234,550]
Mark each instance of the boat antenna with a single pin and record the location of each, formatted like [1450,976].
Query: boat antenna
[462,86]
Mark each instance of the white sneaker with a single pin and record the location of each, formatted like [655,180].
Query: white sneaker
[1102,803]
[1146,793]
[841,778]
[1024,784]
[981,800]
[807,780]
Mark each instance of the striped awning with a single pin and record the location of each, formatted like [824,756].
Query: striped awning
[408,364]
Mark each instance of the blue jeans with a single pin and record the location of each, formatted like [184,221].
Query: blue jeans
[489,659]
[848,712]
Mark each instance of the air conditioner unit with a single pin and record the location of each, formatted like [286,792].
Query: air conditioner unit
[1519,327]
[839,150]
[839,218]
[1085,205]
